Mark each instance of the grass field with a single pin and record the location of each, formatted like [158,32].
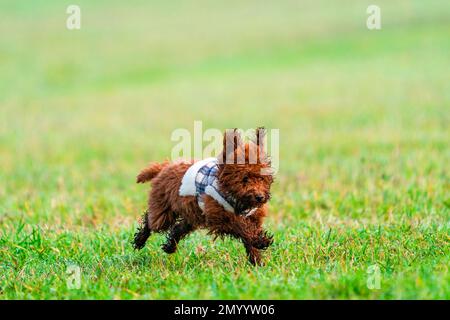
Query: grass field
[364,145]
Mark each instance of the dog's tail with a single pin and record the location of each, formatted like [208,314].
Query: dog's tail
[150,172]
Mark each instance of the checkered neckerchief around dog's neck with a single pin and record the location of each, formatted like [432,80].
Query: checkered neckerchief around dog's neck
[207,177]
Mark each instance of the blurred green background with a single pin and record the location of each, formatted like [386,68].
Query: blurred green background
[364,144]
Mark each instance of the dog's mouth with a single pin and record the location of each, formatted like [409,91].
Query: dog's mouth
[247,205]
[248,212]
[245,208]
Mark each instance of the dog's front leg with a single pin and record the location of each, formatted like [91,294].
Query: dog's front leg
[221,222]
[262,239]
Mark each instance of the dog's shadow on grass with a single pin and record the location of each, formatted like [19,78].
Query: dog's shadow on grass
[197,252]
[189,260]
[156,258]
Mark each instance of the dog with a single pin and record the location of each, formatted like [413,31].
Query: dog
[227,196]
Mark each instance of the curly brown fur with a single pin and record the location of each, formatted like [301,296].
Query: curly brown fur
[240,175]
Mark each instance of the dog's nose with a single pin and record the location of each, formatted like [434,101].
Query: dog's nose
[259,198]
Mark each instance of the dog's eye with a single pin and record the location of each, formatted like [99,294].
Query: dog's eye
[245,179]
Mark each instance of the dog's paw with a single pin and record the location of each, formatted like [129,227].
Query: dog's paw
[263,241]
[169,247]
[140,237]
[137,244]
[254,257]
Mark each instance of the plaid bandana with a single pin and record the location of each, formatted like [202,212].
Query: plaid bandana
[206,176]
[206,183]
[200,179]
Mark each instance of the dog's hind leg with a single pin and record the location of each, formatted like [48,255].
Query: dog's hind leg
[142,234]
[253,254]
[176,233]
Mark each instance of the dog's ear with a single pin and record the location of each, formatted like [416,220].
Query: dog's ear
[232,147]
[261,137]
[261,144]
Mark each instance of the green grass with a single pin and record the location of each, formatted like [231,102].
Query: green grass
[364,145]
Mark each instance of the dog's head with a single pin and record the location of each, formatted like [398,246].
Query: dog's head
[244,170]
